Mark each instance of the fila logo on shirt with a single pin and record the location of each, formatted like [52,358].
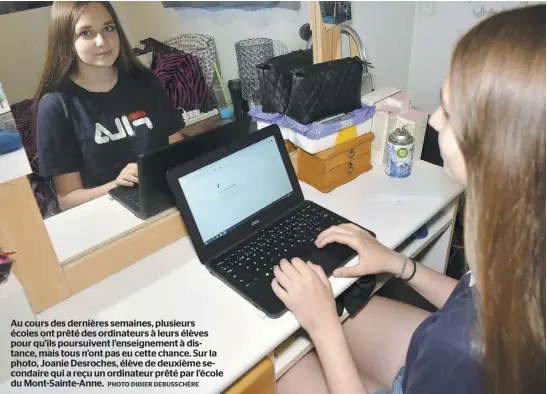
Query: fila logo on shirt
[103,135]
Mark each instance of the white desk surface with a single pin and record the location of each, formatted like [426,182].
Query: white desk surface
[104,218]
[85,226]
[173,284]
[14,165]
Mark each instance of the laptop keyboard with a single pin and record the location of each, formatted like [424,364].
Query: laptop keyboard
[285,239]
[130,195]
[133,197]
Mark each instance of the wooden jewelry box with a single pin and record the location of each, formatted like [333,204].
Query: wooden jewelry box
[336,166]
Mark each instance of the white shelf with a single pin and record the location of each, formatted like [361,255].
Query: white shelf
[435,227]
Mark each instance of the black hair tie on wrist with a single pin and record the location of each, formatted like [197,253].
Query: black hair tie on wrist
[413,272]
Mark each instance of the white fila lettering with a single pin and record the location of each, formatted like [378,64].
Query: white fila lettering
[103,135]
[125,128]
[126,124]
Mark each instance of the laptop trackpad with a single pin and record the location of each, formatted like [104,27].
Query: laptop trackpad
[330,256]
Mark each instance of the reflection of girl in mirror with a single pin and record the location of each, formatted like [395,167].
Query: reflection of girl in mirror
[99,108]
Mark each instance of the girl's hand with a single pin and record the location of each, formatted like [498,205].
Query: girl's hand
[128,176]
[374,257]
[306,291]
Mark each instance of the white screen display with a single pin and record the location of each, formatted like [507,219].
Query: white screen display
[227,192]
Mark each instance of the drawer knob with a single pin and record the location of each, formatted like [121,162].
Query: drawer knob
[351,154]
[350,168]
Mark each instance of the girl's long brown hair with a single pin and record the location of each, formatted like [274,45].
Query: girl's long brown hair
[61,58]
[497,109]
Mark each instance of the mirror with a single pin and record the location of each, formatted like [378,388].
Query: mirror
[83,226]
[80,230]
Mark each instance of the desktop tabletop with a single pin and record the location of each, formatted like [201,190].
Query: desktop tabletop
[77,230]
[172,283]
[14,165]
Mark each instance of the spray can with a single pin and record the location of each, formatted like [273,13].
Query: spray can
[398,153]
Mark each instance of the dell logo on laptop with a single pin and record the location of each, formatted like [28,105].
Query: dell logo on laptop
[255,222]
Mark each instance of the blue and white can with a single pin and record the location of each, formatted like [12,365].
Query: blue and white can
[398,154]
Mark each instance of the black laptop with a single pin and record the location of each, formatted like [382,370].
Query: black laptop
[152,195]
[244,210]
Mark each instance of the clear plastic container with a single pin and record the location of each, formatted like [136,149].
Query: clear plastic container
[225,106]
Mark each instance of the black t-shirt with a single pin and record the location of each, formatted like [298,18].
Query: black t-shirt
[98,134]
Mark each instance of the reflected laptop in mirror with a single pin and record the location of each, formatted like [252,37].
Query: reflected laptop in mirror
[244,210]
[152,195]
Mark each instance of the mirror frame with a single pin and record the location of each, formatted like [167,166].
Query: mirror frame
[45,280]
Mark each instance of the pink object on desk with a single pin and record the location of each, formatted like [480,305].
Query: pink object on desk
[401,101]
[384,122]
[414,115]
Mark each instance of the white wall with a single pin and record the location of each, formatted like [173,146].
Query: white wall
[151,19]
[384,27]
[409,43]
[23,44]
[437,26]
[231,25]
[386,31]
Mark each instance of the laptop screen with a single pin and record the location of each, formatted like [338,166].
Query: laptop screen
[224,194]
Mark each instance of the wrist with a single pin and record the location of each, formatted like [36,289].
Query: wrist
[396,264]
[403,267]
[108,186]
[325,329]
[328,340]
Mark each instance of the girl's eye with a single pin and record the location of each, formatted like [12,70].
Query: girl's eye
[85,33]
[110,28]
